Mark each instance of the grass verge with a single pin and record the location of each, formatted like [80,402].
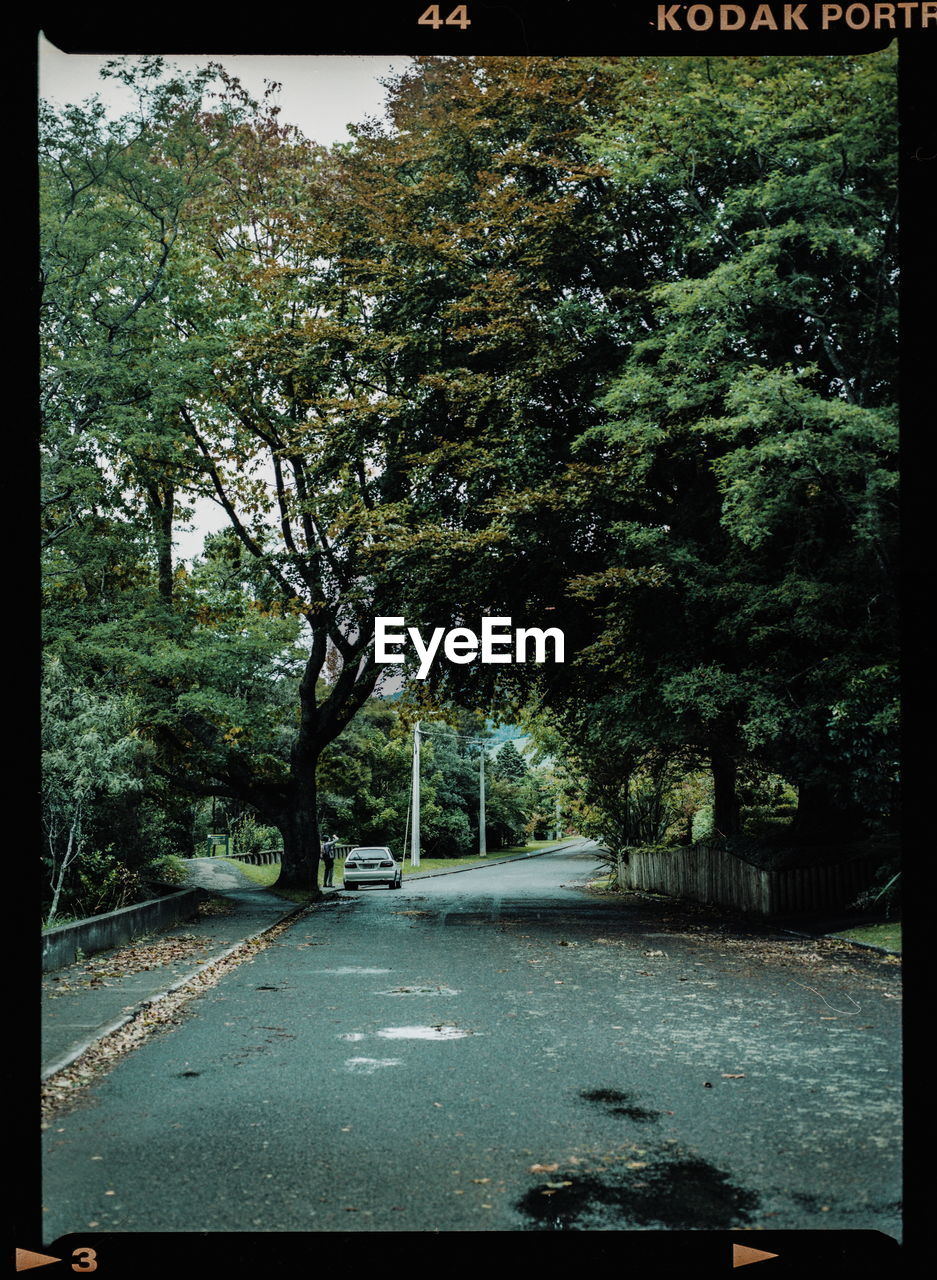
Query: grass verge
[474,860]
[265,876]
[877,935]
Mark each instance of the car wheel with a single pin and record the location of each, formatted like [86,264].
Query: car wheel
[346,885]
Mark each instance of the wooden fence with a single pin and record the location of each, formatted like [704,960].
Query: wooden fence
[707,873]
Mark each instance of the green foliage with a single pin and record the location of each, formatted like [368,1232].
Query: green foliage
[509,763]
[364,779]
[605,341]
[250,836]
[168,869]
[702,823]
[90,753]
[744,590]
[103,882]
[365,775]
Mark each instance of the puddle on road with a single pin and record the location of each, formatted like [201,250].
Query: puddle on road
[367,1066]
[678,1194]
[423,1033]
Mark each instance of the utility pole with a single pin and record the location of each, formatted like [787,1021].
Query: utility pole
[482,850]
[415,827]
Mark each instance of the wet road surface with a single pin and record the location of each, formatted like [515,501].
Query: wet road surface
[500,1051]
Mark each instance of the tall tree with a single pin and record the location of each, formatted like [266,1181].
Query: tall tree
[746,605]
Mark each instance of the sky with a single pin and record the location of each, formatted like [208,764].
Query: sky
[321,95]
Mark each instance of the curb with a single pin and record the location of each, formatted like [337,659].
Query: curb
[102,1034]
[853,942]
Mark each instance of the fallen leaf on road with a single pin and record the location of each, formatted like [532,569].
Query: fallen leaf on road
[555,1186]
[481,1180]
[727,1076]
[543,1168]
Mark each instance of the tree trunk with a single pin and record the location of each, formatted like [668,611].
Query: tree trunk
[726,820]
[819,816]
[162,506]
[299,823]
[299,826]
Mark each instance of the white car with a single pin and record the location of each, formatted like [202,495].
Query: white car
[371,864]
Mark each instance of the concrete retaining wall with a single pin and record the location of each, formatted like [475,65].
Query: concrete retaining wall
[61,945]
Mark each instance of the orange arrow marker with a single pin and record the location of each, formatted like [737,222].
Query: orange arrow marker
[25,1259]
[742,1255]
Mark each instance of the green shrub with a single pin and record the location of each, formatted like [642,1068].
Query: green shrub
[250,836]
[702,823]
[167,869]
[104,884]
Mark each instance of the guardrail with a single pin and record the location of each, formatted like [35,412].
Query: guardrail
[265,856]
[261,858]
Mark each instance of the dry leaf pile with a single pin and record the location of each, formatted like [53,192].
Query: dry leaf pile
[136,958]
[66,1087]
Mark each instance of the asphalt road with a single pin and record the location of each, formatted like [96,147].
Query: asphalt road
[499,1051]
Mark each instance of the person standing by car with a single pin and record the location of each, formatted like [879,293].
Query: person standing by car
[328,855]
